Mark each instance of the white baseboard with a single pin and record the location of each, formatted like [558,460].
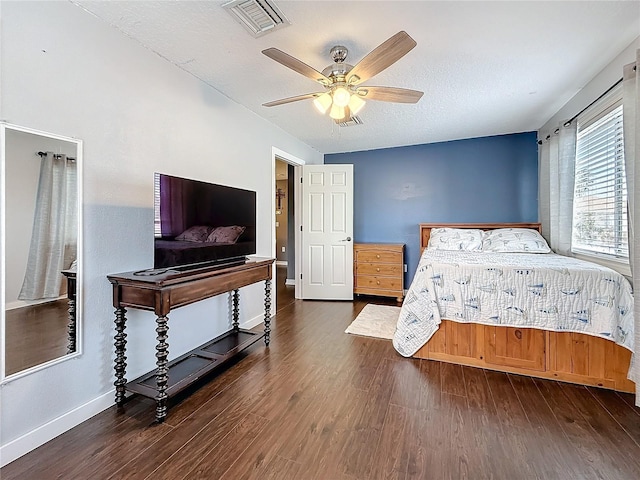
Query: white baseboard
[50,430]
[290,281]
[253,322]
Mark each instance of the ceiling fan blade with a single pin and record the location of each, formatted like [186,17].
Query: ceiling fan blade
[297,98]
[296,65]
[390,94]
[381,57]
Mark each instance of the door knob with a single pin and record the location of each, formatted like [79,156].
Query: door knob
[348,239]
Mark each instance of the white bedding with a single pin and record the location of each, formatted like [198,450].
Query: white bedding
[545,291]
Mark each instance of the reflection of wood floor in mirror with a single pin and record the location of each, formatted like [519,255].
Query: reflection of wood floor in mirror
[35,334]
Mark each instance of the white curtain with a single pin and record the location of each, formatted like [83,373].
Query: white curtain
[53,239]
[557,168]
[631,122]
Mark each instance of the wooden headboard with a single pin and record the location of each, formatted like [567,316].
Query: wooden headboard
[425,228]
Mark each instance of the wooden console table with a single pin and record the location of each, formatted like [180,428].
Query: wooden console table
[172,289]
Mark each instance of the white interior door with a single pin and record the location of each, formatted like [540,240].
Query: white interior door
[327,232]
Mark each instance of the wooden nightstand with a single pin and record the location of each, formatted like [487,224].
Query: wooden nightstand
[379,269]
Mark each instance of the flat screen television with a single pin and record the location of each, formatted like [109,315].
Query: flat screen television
[199,224]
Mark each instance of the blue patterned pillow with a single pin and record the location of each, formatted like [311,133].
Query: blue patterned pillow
[514,240]
[464,239]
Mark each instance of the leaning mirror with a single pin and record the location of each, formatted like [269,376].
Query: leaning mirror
[41,264]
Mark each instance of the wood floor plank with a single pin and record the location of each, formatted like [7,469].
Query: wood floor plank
[605,429]
[326,464]
[597,456]
[407,386]
[452,379]
[628,417]
[547,435]
[257,458]
[218,457]
[387,462]
[430,384]
[485,429]
[629,399]
[363,440]
[368,363]
[281,469]
[516,425]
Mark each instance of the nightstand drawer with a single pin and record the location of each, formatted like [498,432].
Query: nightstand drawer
[378,257]
[383,283]
[392,270]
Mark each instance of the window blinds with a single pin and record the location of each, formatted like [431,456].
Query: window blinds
[600,195]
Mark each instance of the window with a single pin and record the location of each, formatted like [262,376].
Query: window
[600,195]
[156,206]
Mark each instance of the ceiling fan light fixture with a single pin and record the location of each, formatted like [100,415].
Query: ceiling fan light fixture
[337,112]
[323,102]
[341,97]
[355,104]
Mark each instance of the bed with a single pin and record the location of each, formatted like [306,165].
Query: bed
[588,345]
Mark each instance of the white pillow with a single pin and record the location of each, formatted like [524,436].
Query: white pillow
[466,239]
[514,240]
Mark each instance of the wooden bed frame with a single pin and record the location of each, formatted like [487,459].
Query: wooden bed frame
[569,357]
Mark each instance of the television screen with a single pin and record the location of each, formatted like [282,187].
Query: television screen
[199,223]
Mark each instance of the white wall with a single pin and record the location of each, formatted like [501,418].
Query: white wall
[64,71]
[22,171]
[592,90]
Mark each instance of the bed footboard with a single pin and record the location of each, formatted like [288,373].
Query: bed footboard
[564,356]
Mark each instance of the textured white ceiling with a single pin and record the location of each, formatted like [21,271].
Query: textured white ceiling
[486,68]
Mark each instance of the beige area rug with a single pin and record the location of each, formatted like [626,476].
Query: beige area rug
[375,321]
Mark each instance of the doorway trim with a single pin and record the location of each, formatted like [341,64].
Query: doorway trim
[277,154]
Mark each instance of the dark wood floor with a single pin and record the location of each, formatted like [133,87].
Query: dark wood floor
[321,404]
[35,334]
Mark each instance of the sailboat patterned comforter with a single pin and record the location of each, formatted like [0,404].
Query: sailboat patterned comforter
[545,291]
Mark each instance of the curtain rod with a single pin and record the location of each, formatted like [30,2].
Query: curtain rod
[44,154]
[568,122]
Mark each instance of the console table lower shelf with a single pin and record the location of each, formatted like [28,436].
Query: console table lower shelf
[188,368]
[159,293]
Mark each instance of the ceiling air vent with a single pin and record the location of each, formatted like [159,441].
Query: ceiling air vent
[355,120]
[257,16]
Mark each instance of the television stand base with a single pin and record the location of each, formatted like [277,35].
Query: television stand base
[216,265]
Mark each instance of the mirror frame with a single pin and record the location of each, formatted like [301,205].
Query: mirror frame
[79,310]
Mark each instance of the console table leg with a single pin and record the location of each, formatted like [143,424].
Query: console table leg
[267,311]
[162,351]
[120,361]
[71,328]
[236,309]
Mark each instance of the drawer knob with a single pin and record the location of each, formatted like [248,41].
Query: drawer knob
[378,282]
[377,256]
[377,269]
[518,334]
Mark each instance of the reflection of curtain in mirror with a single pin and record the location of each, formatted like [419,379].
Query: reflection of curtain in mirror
[54,236]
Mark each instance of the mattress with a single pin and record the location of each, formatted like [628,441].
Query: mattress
[544,291]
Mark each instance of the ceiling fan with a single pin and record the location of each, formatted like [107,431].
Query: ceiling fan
[344,96]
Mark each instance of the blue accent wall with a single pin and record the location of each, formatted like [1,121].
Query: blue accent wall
[489,179]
